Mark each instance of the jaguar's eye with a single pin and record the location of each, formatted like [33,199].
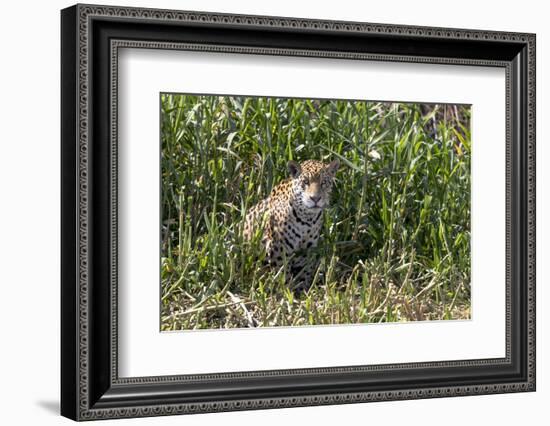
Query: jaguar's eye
[306,181]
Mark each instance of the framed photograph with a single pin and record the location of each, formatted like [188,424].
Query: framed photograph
[263,212]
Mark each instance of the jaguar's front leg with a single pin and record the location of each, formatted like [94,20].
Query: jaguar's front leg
[305,265]
[304,273]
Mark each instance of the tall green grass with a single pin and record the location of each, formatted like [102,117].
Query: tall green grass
[396,239]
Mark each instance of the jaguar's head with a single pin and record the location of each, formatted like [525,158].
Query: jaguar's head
[313,181]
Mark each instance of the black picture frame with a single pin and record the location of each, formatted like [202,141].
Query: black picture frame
[90,386]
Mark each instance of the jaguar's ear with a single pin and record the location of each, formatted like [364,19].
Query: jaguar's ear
[294,169]
[332,168]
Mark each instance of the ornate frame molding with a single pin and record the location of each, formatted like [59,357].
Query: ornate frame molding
[78,24]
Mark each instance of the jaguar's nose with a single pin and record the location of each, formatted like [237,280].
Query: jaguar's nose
[315,198]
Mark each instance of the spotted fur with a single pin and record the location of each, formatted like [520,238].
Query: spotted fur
[291,218]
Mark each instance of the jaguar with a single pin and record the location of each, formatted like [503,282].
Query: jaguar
[290,219]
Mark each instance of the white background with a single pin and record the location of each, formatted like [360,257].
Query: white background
[140,343]
[29,225]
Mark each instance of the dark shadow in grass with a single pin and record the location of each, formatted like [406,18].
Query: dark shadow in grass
[51,406]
